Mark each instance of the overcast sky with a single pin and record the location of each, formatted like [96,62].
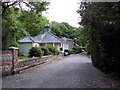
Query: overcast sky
[63,11]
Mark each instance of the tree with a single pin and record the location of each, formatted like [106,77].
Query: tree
[17,23]
[102,22]
[12,29]
[37,7]
[32,22]
[62,29]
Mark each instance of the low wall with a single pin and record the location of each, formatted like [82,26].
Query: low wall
[8,69]
[6,61]
[36,61]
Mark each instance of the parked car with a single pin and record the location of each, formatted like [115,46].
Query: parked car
[66,52]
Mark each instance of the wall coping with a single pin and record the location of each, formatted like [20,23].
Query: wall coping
[13,48]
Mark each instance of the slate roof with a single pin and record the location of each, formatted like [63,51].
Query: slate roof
[42,38]
[26,39]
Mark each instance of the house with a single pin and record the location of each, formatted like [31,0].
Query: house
[47,38]
[67,43]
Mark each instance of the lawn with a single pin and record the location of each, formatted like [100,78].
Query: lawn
[21,58]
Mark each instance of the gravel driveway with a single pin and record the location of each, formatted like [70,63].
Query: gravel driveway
[74,71]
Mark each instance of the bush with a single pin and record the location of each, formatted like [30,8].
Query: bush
[76,50]
[35,52]
[52,49]
[45,50]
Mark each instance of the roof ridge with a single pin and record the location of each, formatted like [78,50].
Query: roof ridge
[43,36]
[55,36]
[31,38]
[28,38]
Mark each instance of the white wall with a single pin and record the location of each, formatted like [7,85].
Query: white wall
[24,48]
[68,45]
[65,46]
[35,45]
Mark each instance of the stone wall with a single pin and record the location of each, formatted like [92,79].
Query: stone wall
[9,61]
[10,64]
[36,61]
[6,57]
[22,65]
[6,61]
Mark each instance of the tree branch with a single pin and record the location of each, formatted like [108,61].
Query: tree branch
[5,7]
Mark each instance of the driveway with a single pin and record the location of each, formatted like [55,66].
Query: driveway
[74,71]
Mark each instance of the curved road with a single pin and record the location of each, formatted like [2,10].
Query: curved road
[74,71]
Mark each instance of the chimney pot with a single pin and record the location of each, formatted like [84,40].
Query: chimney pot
[46,28]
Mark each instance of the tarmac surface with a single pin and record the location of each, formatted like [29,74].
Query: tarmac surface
[74,71]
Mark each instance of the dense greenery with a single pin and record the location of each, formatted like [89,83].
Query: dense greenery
[17,23]
[35,52]
[102,24]
[49,50]
[62,29]
[52,49]
[76,50]
[43,51]
[65,30]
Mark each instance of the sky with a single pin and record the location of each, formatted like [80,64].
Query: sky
[63,11]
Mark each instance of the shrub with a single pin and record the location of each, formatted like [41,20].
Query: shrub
[76,50]
[35,52]
[52,49]
[45,50]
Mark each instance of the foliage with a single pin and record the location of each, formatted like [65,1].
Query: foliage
[52,49]
[35,52]
[17,23]
[76,50]
[32,22]
[87,48]
[45,50]
[61,29]
[11,29]
[49,49]
[102,22]
[65,30]
[22,57]
[37,7]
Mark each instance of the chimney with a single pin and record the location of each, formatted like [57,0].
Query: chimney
[46,28]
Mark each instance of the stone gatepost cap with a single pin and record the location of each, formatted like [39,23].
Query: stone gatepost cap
[14,48]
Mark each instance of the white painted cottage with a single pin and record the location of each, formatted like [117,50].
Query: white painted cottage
[47,37]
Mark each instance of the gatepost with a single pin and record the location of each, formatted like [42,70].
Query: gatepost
[14,59]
